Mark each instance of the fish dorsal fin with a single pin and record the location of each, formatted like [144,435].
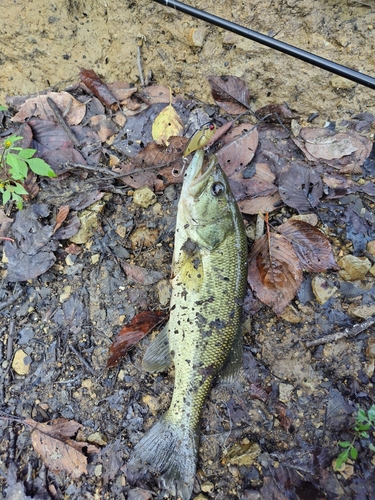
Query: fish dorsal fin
[158,357]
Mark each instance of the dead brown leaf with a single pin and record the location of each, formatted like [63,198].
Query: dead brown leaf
[275,113]
[258,183]
[239,146]
[121,90]
[38,106]
[230,93]
[132,333]
[5,224]
[98,88]
[103,126]
[311,246]
[300,187]
[157,93]
[261,204]
[52,441]
[62,214]
[141,275]
[274,273]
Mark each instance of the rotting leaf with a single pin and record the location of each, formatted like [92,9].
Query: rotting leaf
[167,124]
[311,246]
[274,273]
[62,214]
[141,275]
[248,185]
[300,187]
[103,126]
[38,106]
[239,146]
[52,441]
[156,93]
[275,113]
[98,87]
[230,93]
[261,204]
[133,332]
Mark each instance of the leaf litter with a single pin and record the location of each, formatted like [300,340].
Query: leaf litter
[271,170]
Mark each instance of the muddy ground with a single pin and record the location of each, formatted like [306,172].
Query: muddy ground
[274,433]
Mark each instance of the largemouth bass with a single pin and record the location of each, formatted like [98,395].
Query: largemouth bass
[203,336]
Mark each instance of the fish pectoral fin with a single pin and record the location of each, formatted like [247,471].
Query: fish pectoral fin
[158,357]
[233,363]
[188,270]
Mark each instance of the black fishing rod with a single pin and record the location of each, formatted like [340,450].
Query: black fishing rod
[303,55]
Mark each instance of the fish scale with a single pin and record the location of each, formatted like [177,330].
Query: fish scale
[203,336]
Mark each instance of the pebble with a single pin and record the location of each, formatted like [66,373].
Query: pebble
[370,349]
[67,290]
[152,402]
[322,290]
[143,237]
[97,438]
[291,315]
[309,218]
[364,311]
[197,36]
[144,197]
[21,362]
[371,247]
[353,268]
[170,192]
[164,292]
[285,392]
[338,82]
[89,221]
[207,487]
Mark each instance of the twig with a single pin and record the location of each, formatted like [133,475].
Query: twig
[12,328]
[13,298]
[139,62]
[60,119]
[355,330]
[82,359]
[100,170]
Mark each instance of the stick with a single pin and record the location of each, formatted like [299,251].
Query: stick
[355,330]
[60,119]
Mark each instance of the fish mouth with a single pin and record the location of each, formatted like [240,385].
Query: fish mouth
[198,173]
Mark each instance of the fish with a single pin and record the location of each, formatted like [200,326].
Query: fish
[203,337]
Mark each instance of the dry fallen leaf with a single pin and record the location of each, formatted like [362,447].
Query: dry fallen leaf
[300,187]
[132,333]
[261,204]
[167,124]
[230,93]
[52,441]
[98,87]
[311,246]
[239,146]
[274,273]
[38,106]
[62,214]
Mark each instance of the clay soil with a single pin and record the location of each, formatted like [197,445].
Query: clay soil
[66,319]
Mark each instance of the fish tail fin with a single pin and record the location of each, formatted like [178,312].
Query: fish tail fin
[169,452]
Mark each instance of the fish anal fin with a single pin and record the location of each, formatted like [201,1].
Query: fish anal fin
[158,357]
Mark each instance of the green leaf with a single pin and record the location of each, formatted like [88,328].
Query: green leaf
[18,200]
[371,414]
[341,459]
[19,167]
[364,435]
[371,447]
[40,167]
[19,189]
[353,453]
[344,444]
[26,153]
[362,427]
[6,196]
[3,108]
[361,417]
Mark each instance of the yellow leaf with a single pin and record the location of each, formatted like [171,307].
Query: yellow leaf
[167,124]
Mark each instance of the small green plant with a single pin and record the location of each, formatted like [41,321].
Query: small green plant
[14,166]
[3,108]
[364,423]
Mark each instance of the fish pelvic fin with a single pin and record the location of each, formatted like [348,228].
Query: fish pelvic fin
[157,358]
[168,452]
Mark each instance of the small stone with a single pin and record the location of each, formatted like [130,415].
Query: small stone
[200,497]
[207,487]
[285,392]
[98,470]
[121,231]
[143,237]
[291,315]
[370,350]
[67,290]
[164,292]
[354,268]
[296,128]
[152,403]
[170,192]
[197,36]
[371,247]
[244,453]
[364,311]
[322,290]
[338,82]
[311,219]
[21,362]
[97,438]
[89,221]
[372,270]
[95,258]
[144,197]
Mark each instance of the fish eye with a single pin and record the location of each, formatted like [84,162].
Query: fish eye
[217,188]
